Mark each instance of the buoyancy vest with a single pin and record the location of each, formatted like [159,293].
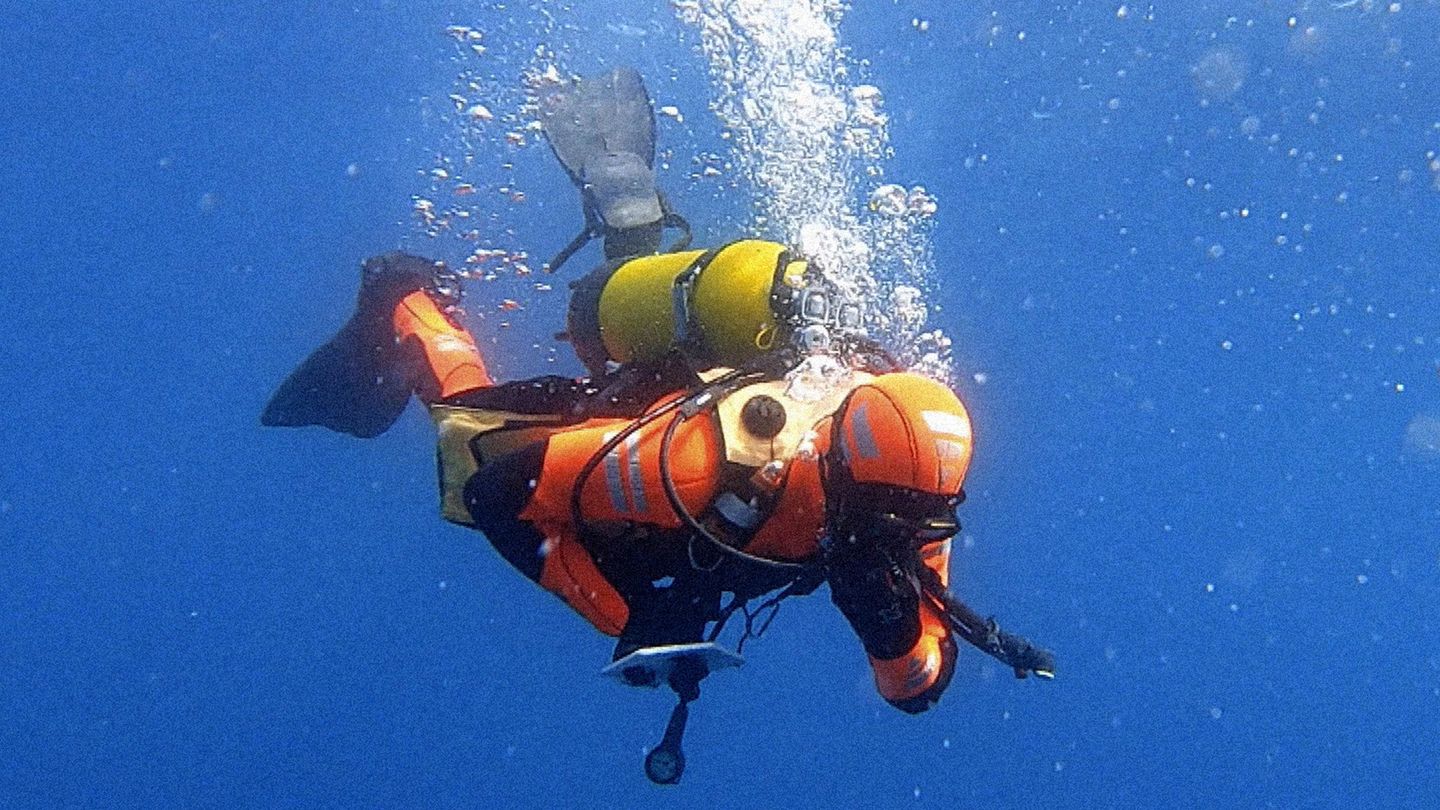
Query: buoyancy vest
[735,465]
[773,503]
[467,437]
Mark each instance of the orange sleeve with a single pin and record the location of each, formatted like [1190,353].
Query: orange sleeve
[914,681]
[625,485]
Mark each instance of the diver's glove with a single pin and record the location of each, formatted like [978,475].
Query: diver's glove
[879,600]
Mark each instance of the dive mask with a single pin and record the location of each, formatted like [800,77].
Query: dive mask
[893,516]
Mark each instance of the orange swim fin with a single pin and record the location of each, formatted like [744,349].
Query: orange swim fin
[360,381]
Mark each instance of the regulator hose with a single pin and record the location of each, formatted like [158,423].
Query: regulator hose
[1015,651]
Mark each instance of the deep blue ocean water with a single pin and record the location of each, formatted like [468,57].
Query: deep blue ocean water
[1199,342]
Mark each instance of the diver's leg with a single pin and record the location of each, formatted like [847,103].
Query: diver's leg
[402,339]
[554,557]
[451,362]
[496,495]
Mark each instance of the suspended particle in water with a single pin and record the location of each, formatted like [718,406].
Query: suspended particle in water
[1218,75]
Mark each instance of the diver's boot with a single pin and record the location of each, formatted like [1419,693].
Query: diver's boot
[399,341]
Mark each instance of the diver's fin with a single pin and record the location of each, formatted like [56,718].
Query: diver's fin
[602,130]
[605,114]
[358,382]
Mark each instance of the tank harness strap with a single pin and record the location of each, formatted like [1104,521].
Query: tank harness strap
[592,229]
[687,325]
[687,328]
[595,228]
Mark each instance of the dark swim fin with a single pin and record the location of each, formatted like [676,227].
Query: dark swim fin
[602,130]
[360,381]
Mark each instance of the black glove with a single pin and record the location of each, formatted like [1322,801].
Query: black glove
[877,597]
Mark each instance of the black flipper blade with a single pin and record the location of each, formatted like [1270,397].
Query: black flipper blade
[605,114]
[602,129]
[357,383]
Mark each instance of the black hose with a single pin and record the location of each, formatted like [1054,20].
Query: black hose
[577,514]
[984,634]
[673,496]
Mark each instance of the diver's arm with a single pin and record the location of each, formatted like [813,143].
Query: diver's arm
[911,650]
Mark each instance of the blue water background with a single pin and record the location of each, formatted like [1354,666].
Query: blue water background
[1190,478]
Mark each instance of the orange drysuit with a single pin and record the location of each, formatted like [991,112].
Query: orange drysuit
[599,530]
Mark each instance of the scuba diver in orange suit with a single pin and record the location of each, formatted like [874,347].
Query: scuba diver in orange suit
[699,467]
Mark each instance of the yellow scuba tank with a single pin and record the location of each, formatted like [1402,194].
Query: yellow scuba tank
[725,306]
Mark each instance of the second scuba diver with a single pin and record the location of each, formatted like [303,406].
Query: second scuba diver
[695,470]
